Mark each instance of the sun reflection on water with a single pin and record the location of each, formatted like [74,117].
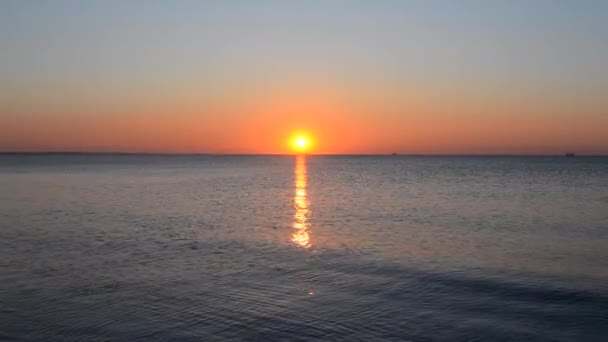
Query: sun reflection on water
[301,234]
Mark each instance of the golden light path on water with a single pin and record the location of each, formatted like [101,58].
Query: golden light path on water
[301,233]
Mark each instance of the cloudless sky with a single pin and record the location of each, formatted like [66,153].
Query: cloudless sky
[376,76]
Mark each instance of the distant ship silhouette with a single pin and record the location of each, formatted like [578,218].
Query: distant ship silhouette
[570,154]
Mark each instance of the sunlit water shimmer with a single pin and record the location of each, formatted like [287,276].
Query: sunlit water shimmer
[205,248]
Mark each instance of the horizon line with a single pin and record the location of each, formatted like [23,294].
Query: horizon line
[295,154]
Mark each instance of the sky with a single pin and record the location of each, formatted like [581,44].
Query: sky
[358,77]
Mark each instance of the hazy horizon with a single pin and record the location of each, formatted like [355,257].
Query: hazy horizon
[389,154]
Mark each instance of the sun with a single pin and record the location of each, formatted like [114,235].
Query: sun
[300,143]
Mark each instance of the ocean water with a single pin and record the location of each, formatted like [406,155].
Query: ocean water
[285,248]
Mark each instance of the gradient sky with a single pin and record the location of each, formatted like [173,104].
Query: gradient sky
[359,76]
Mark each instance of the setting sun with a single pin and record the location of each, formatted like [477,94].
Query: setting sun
[301,143]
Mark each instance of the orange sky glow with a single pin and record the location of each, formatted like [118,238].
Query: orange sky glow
[335,121]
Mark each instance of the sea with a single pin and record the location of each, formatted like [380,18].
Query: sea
[121,247]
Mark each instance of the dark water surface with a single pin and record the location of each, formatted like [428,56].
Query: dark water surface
[261,248]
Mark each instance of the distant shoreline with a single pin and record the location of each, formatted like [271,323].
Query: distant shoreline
[172,154]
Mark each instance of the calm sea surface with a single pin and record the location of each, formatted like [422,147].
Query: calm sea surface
[283,248]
